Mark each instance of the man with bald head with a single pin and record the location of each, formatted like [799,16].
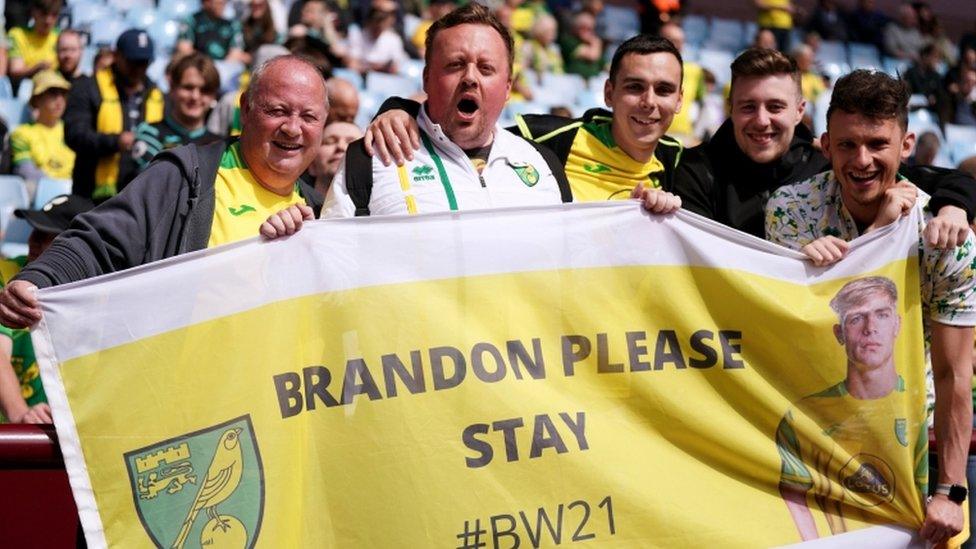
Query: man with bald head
[343,101]
[194,197]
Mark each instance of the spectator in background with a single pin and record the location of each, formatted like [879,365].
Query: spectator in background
[811,82]
[104,110]
[22,397]
[867,24]
[343,101]
[258,28]
[692,88]
[194,83]
[582,49]
[829,21]
[654,14]
[932,32]
[318,23]
[923,78]
[436,10]
[902,39]
[33,49]
[964,100]
[207,32]
[926,150]
[561,111]
[713,108]
[377,47]
[335,140]
[39,149]
[764,39]
[225,118]
[967,58]
[540,52]
[69,49]
[777,17]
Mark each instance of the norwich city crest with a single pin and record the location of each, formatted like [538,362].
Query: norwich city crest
[201,489]
[527,173]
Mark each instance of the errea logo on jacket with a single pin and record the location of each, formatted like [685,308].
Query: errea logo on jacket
[422,173]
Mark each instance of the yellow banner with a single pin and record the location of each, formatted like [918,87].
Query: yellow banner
[630,381]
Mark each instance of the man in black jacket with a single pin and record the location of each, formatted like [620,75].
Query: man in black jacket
[194,197]
[102,113]
[763,146]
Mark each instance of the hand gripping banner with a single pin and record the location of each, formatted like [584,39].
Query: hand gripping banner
[527,377]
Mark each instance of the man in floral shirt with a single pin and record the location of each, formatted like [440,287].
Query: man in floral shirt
[866,140]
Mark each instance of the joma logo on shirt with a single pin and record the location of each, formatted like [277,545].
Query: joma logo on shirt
[596,168]
[423,173]
[241,210]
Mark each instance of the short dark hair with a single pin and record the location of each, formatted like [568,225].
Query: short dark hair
[200,62]
[46,6]
[470,14]
[755,62]
[644,44]
[873,94]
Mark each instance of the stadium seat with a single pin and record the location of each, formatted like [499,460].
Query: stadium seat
[84,14]
[835,70]
[922,121]
[179,9]
[864,56]
[618,23]
[48,188]
[727,34]
[413,68]
[962,142]
[230,74]
[14,112]
[25,90]
[832,52]
[350,75]
[13,195]
[107,32]
[157,73]
[410,24]
[558,89]
[15,236]
[718,62]
[386,85]
[819,114]
[369,103]
[895,67]
[696,29]
[164,33]
[6,90]
[141,17]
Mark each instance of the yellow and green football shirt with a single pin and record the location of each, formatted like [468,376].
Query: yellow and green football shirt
[32,47]
[857,458]
[600,170]
[45,147]
[241,203]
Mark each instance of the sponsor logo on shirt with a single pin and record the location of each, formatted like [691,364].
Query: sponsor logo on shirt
[422,173]
[240,210]
[596,168]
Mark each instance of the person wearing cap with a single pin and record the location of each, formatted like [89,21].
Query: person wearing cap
[194,83]
[207,32]
[22,398]
[195,196]
[38,148]
[32,49]
[102,114]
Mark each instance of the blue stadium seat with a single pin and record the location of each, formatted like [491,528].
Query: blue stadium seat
[832,52]
[179,9]
[14,112]
[6,90]
[618,23]
[718,62]
[84,14]
[727,34]
[412,68]
[864,56]
[48,188]
[696,29]
[962,142]
[106,32]
[819,114]
[514,108]
[125,5]
[386,85]
[141,17]
[13,195]
[164,33]
[350,75]
[922,121]
[895,67]
[157,73]
[558,89]
[15,237]
[230,74]
[835,70]
[25,90]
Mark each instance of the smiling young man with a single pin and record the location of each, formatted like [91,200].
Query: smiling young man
[763,146]
[196,196]
[865,143]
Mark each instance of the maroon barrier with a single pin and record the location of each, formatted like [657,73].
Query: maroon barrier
[36,506]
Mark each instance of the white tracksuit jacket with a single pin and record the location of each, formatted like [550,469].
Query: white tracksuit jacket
[441,178]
